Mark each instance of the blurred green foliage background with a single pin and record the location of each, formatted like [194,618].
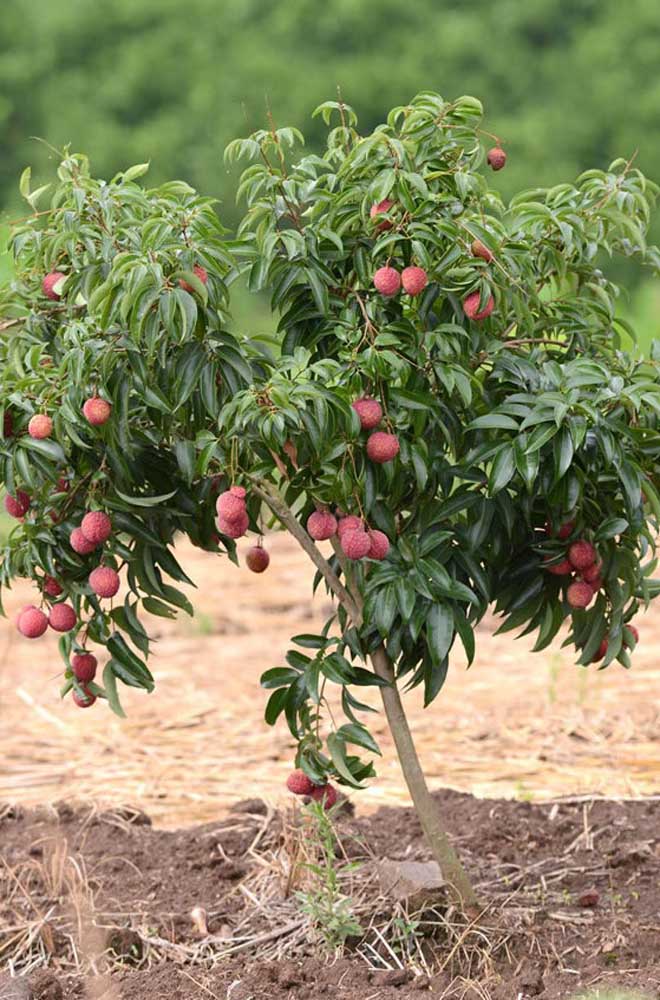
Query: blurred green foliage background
[567,84]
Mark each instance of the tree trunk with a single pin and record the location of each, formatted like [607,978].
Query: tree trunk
[426,809]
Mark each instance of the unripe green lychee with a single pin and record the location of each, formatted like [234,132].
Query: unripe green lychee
[80,544]
[582,554]
[471,306]
[414,280]
[562,568]
[32,622]
[96,526]
[579,594]
[19,505]
[480,249]
[355,544]
[380,544]
[382,447]
[369,411]
[299,783]
[51,587]
[84,666]
[380,208]
[496,157]
[104,581]
[199,272]
[97,411]
[62,617]
[349,523]
[257,559]
[230,507]
[40,426]
[387,281]
[86,700]
[326,794]
[321,525]
[52,285]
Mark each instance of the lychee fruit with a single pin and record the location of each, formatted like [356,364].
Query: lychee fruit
[380,544]
[84,700]
[480,249]
[97,411]
[32,622]
[382,447]
[40,426]
[564,531]
[321,525]
[592,573]
[238,491]
[299,783]
[257,559]
[51,587]
[84,666]
[349,523]
[7,425]
[355,544]
[582,554]
[19,505]
[52,285]
[601,652]
[326,794]
[369,411]
[579,594]
[234,529]
[380,208]
[80,544]
[562,568]
[387,281]
[471,306]
[496,157]
[635,634]
[199,272]
[414,280]
[230,507]
[62,485]
[96,526]
[104,581]
[62,617]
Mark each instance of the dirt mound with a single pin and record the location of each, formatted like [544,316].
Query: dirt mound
[104,905]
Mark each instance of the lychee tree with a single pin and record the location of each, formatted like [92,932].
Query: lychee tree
[450,406]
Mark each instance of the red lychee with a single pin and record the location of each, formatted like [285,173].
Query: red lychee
[579,594]
[321,525]
[480,249]
[32,622]
[380,544]
[635,634]
[414,280]
[562,568]
[199,272]
[582,554]
[51,587]
[230,508]
[86,700]
[369,411]
[84,666]
[40,426]
[62,485]
[234,529]
[299,783]
[355,544]
[19,505]
[471,306]
[326,794]
[382,447]
[238,491]
[596,583]
[62,617]
[564,531]
[80,544]
[592,572]
[349,523]
[104,581]
[52,285]
[96,526]
[257,559]
[387,281]
[496,157]
[97,411]
[601,652]
[380,208]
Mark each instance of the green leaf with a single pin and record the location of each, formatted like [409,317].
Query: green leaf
[110,685]
[439,631]
[143,501]
[502,469]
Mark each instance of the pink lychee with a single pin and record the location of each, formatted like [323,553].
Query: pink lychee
[582,554]
[238,491]
[382,447]
[19,505]
[40,426]
[349,523]
[86,700]
[230,507]
[299,783]
[326,794]
[62,617]
[97,411]
[321,525]
[104,581]
[234,529]
[592,573]
[96,526]
[562,568]
[80,544]
[380,544]
[579,594]
[496,157]
[387,281]
[380,208]
[51,285]
[414,280]
[32,622]
[199,272]
[369,411]
[480,249]
[84,666]
[355,544]
[257,559]
[51,587]
[471,306]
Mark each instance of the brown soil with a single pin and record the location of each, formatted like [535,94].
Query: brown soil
[571,892]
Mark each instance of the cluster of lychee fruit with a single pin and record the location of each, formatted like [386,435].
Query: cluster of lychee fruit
[53,282]
[299,783]
[357,541]
[388,281]
[382,446]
